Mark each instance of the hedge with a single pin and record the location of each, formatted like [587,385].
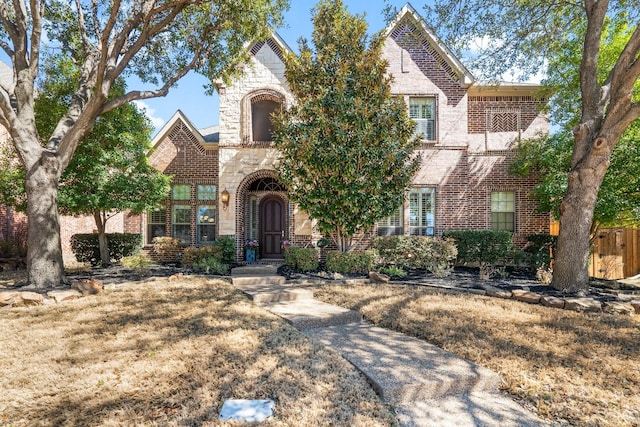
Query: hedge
[417,253]
[301,259]
[87,249]
[488,248]
[350,262]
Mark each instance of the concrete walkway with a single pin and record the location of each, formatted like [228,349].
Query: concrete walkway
[427,385]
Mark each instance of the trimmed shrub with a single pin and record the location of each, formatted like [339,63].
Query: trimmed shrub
[192,256]
[350,262]
[167,249]
[87,249]
[487,248]
[417,253]
[539,250]
[227,247]
[301,259]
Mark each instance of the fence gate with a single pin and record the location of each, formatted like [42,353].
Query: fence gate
[615,253]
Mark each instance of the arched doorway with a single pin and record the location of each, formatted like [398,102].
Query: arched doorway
[272,227]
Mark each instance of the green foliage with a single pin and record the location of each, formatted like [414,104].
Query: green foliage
[347,145]
[355,262]
[193,256]
[487,248]
[86,248]
[539,251]
[211,266]
[393,271]
[227,247]
[301,259]
[139,263]
[417,253]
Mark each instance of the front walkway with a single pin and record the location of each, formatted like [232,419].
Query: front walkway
[427,385]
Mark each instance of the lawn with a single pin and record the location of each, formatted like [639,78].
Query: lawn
[168,353]
[572,368]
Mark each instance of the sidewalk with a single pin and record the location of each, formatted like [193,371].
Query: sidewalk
[427,385]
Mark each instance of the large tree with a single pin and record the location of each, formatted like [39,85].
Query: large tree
[158,41]
[347,146]
[526,34]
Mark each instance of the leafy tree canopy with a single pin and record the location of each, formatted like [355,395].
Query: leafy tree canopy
[347,144]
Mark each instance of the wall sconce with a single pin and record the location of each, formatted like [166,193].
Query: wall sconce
[224,198]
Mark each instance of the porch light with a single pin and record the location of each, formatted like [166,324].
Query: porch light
[224,198]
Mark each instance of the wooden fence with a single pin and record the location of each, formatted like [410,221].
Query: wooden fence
[615,254]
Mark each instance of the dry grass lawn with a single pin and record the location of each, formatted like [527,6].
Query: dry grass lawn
[162,353]
[574,369]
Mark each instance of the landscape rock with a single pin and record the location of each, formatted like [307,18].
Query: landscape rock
[614,307]
[588,305]
[378,277]
[492,291]
[636,305]
[32,298]
[9,298]
[551,301]
[526,296]
[88,286]
[64,295]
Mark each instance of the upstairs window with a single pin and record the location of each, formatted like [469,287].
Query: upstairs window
[423,111]
[181,192]
[261,126]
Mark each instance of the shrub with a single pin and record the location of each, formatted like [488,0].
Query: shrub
[227,247]
[139,263]
[301,259]
[393,271]
[211,266]
[417,252]
[87,249]
[350,262]
[539,250]
[167,249]
[192,256]
[487,248]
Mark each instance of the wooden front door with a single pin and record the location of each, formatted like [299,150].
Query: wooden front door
[272,217]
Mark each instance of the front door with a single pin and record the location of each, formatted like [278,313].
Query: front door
[272,214]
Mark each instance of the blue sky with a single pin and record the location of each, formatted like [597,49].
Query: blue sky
[203,110]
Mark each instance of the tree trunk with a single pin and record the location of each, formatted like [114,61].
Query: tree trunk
[103,243]
[571,267]
[44,252]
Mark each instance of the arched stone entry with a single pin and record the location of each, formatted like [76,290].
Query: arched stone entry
[262,214]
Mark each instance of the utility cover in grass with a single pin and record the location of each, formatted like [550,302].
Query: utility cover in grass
[246,410]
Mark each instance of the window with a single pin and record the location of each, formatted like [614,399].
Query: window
[156,224]
[181,223]
[391,225]
[181,192]
[206,192]
[503,207]
[421,211]
[206,223]
[261,125]
[423,112]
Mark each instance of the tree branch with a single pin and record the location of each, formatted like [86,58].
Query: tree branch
[591,100]
[37,12]
[83,28]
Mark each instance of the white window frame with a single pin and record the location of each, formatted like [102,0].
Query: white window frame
[422,211]
[205,224]
[393,225]
[175,225]
[156,220]
[503,206]
[423,111]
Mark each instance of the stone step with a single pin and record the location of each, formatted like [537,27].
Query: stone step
[257,281]
[403,369]
[255,270]
[267,293]
[310,313]
[467,410]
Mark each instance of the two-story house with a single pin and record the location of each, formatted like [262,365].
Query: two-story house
[225,182]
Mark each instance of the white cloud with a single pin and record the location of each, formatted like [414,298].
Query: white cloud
[156,121]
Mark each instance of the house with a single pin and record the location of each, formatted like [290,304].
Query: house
[225,182]
[224,178]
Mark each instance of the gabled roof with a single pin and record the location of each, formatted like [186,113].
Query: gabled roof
[275,42]
[168,127]
[407,11]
